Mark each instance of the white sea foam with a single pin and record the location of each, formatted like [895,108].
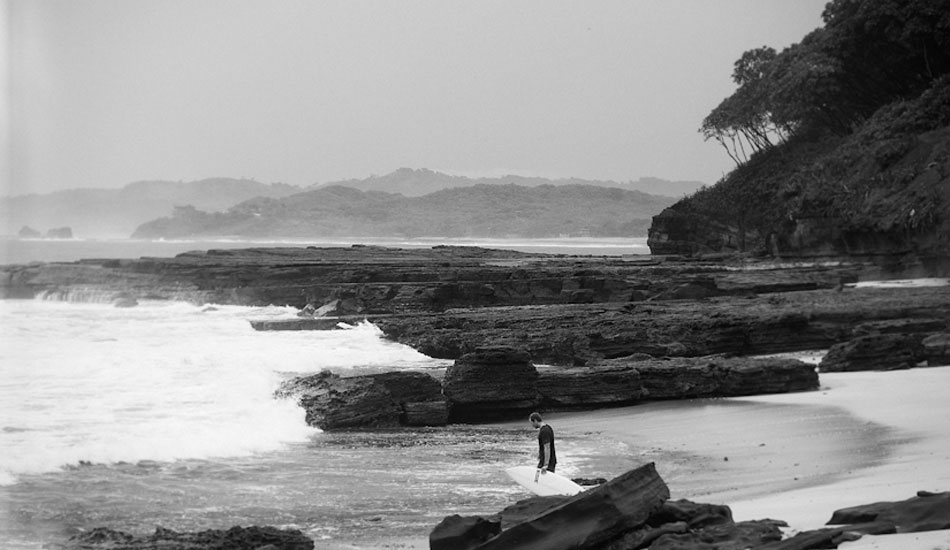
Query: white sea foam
[162,381]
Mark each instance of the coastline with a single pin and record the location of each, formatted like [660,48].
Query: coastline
[794,457]
[861,438]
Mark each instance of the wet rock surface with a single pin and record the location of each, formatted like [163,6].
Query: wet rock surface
[491,384]
[633,512]
[377,280]
[377,400]
[235,538]
[501,383]
[590,331]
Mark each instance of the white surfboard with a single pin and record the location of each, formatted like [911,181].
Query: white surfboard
[543,485]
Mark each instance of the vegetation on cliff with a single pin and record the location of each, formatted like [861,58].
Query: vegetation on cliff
[842,141]
[476,211]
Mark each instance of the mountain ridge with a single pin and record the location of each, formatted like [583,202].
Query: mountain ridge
[92,212]
[476,211]
[422,181]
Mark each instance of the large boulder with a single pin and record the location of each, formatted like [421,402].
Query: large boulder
[491,383]
[589,519]
[925,512]
[377,400]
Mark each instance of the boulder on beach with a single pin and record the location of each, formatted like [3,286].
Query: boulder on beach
[925,512]
[491,383]
[633,511]
[590,518]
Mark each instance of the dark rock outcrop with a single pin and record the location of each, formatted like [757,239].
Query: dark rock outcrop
[462,533]
[500,383]
[925,512]
[491,383]
[579,334]
[592,385]
[683,378]
[937,348]
[645,518]
[370,280]
[727,535]
[886,351]
[591,518]
[235,538]
[882,192]
[376,400]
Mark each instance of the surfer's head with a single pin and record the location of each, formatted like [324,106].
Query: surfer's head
[535,420]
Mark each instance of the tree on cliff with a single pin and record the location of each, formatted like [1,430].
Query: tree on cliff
[842,142]
[868,54]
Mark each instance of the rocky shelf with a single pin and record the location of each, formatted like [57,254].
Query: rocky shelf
[501,383]
[612,330]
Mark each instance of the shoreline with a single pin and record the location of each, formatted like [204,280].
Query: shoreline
[859,439]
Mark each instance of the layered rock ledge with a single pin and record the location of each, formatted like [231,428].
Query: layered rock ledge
[377,280]
[578,334]
[501,383]
[593,331]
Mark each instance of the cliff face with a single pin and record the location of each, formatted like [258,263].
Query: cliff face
[883,192]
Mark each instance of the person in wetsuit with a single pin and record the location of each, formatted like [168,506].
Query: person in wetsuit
[547,457]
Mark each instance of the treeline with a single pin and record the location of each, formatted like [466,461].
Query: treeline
[868,54]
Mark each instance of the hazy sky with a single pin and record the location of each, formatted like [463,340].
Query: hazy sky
[101,93]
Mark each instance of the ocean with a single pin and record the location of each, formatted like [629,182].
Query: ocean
[18,251]
[164,415]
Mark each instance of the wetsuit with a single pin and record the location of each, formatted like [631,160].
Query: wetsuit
[546,435]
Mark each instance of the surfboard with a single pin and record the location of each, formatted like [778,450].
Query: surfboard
[543,485]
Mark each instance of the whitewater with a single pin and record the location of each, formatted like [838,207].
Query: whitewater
[164,414]
[91,394]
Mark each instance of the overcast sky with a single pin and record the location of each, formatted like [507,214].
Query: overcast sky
[105,92]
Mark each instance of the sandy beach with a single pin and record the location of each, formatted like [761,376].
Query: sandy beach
[863,437]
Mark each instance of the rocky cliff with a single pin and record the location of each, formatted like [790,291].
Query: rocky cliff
[842,145]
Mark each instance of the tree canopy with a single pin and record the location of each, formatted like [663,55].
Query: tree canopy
[869,53]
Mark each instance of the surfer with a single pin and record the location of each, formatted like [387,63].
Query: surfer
[547,457]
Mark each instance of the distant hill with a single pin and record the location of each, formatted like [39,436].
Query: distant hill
[475,211]
[416,183]
[117,212]
[102,213]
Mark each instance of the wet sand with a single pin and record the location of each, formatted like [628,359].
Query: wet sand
[863,437]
